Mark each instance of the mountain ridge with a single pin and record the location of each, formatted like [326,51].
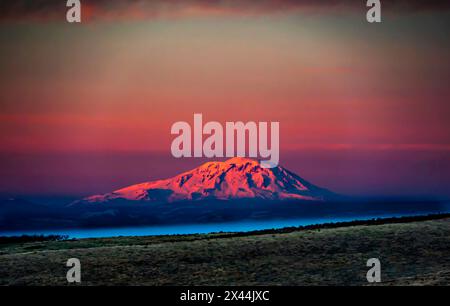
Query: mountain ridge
[236,178]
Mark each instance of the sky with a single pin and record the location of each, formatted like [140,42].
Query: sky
[87,108]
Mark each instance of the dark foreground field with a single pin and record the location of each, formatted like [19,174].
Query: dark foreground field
[415,253]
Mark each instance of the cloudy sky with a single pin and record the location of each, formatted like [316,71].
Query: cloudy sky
[363,108]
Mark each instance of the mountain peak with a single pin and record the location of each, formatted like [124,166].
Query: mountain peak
[235,161]
[241,161]
[235,178]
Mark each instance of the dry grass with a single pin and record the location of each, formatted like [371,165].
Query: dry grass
[411,254]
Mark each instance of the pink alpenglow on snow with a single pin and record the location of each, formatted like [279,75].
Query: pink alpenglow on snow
[236,178]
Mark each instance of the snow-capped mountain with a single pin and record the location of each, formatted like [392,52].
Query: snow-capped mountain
[236,178]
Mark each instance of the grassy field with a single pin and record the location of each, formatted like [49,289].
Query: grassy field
[416,253]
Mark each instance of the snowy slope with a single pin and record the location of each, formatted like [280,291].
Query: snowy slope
[236,178]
